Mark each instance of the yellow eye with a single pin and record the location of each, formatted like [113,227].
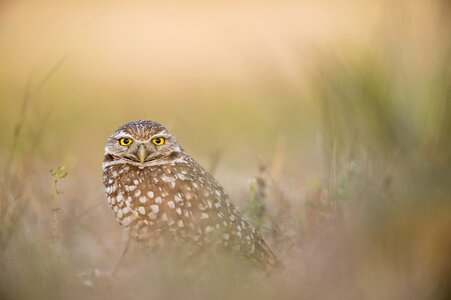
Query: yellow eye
[158,141]
[125,141]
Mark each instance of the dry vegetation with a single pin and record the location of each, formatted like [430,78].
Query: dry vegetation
[343,163]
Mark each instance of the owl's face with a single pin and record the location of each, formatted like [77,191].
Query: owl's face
[141,143]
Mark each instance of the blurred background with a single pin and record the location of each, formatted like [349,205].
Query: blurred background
[328,122]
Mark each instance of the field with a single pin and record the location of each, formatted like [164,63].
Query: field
[328,123]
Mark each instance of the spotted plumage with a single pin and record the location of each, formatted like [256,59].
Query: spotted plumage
[155,188]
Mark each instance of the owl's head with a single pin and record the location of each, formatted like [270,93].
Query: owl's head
[141,143]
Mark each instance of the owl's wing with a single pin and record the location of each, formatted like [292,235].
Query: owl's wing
[219,216]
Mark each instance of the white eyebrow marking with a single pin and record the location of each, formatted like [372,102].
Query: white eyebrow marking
[162,132]
[121,134]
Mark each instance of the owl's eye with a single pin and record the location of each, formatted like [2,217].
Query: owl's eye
[125,141]
[158,141]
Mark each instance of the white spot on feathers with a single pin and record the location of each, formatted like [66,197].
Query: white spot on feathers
[155,208]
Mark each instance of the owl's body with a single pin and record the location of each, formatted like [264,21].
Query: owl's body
[159,190]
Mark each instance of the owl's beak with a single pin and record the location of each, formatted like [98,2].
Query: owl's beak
[142,153]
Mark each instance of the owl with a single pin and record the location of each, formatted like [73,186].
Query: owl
[156,189]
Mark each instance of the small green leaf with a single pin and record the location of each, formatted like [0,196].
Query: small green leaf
[59,173]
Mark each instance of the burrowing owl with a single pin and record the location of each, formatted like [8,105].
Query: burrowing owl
[154,187]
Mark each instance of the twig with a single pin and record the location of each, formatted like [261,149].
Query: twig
[216,159]
[7,206]
[26,99]
[127,245]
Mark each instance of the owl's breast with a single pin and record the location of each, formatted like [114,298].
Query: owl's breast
[158,198]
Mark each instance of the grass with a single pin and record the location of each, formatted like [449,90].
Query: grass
[345,172]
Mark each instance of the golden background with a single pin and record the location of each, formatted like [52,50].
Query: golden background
[339,110]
